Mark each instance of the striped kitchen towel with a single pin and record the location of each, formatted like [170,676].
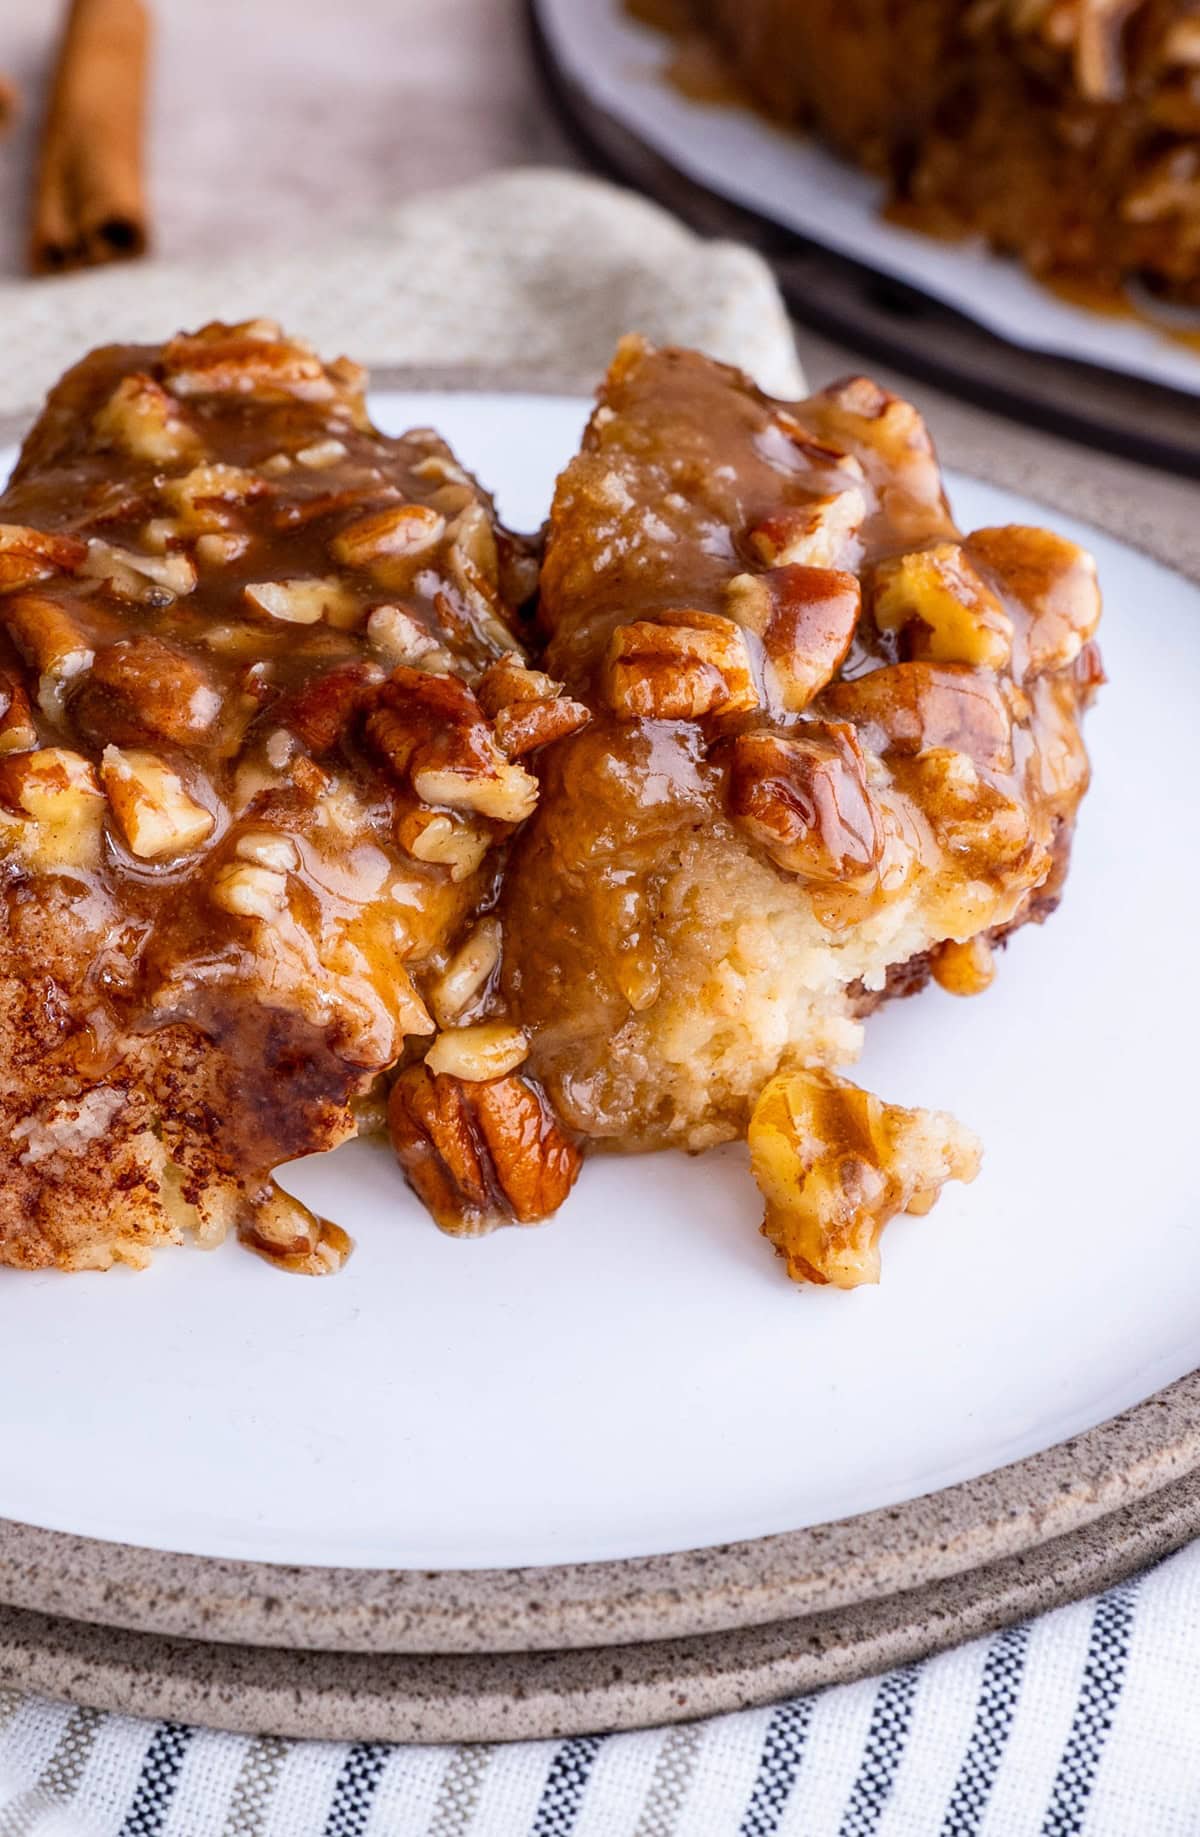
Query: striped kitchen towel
[1084,1721]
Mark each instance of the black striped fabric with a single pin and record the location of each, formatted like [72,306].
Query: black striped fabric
[783,1750]
[891,1719]
[157,1781]
[354,1794]
[1103,1679]
[999,1689]
[566,1782]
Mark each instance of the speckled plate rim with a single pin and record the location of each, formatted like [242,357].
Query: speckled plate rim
[1128,1466]
[344,1696]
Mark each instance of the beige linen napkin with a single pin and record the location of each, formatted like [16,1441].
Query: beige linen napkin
[533,272]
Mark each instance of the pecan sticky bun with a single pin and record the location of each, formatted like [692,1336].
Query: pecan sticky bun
[307,826]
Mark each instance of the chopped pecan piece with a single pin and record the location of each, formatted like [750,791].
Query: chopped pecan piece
[145,687]
[805,800]
[51,638]
[528,708]
[288,1235]
[982,829]
[204,497]
[269,848]
[323,709]
[156,815]
[466,977]
[249,891]
[57,789]
[154,579]
[322,453]
[936,598]
[302,602]
[432,732]
[679,666]
[1053,580]
[835,1164]
[806,618]
[527,726]
[217,548]
[490,1049]
[509,680]
[17,731]
[30,555]
[143,419]
[389,543]
[480,1155]
[34,782]
[471,538]
[889,437]
[444,841]
[823,533]
[1089,673]
[399,638]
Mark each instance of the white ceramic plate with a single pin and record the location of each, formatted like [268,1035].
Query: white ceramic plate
[618,65]
[639,1377]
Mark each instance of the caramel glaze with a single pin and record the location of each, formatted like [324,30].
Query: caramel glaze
[185,1014]
[871,762]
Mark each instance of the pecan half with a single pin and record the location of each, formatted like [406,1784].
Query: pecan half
[679,666]
[910,706]
[253,358]
[805,800]
[806,618]
[480,1155]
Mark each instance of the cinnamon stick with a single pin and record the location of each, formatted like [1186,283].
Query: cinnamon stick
[89,201]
